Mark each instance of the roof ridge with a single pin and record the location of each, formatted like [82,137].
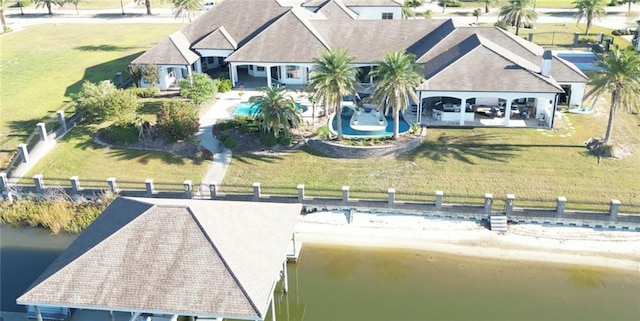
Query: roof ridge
[310,27]
[443,25]
[178,38]
[228,36]
[458,57]
[226,264]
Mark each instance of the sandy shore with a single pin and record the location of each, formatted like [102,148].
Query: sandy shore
[556,244]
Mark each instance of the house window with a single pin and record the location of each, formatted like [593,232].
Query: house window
[387,16]
[260,68]
[171,74]
[293,72]
[210,60]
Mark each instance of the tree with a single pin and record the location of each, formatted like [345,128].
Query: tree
[428,14]
[589,10]
[147,4]
[186,8]
[408,8]
[517,12]
[178,120]
[487,3]
[103,101]
[629,2]
[397,76]
[48,4]
[276,112]
[199,88]
[3,20]
[619,75]
[477,13]
[333,76]
[75,4]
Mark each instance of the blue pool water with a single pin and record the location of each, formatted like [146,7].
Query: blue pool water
[247,109]
[584,60]
[347,131]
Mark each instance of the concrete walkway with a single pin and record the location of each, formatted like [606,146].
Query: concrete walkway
[222,108]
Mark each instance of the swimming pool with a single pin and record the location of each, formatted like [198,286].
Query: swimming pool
[347,131]
[248,109]
[584,60]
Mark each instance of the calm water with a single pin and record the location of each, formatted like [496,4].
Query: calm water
[343,283]
[348,131]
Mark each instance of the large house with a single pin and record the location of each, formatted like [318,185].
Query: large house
[275,43]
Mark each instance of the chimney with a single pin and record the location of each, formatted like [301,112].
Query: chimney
[545,67]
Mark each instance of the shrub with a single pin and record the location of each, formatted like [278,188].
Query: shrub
[268,138]
[587,39]
[225,85]
[177,120]
[103,101]
[122,134]
[502,25]
[150,92]
[285,140]
[450,3]
[228,141]
[199,88]
[228,124]
[622,32]
[324,133]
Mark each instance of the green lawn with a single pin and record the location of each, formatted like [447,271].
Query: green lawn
[102,4]
[561,34]
[42,65]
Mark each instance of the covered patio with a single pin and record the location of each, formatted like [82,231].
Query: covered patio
[157,259]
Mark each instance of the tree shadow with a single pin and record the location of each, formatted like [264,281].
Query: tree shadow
[248,158]
[103,71]
[562,14]
[102,48]
[116,16]
[144,156]
[465,149]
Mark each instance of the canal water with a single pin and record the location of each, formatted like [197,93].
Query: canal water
[348,283]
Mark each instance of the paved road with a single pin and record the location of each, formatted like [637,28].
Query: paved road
[616,17]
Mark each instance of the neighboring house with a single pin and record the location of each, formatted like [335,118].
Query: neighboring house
[163,258]
[482,66]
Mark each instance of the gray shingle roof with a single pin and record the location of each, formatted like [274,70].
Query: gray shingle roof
[190,257]
[276,43]
[217,39]
[478,64]
[242,19]
[334,10]
[369,40]
[356,3]
[171,51]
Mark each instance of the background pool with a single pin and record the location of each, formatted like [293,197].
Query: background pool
[584,60]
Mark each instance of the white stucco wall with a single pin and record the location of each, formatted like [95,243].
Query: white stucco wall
[375,13]
[577,93]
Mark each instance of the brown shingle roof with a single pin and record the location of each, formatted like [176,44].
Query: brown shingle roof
[190,257]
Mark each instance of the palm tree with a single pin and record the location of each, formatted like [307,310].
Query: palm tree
[396,78]
[48,4]
[589,9]
[276,112]
[477,13]
[3,20]
[186,8]
[333,76]
[487,3]
[517,12]
[620,75]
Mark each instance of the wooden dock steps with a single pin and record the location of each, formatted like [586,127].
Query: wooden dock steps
[499,223]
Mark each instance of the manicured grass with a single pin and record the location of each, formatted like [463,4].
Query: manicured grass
[42,65]
[561,34]
[564,4]
[536,166]
[76,154]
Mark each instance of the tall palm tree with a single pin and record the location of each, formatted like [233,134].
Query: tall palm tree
[186,8]
[3,20]
[517,12]
[487,3]
[333,76]
[396,78]
[589,10]
[620,75]
[276,112]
